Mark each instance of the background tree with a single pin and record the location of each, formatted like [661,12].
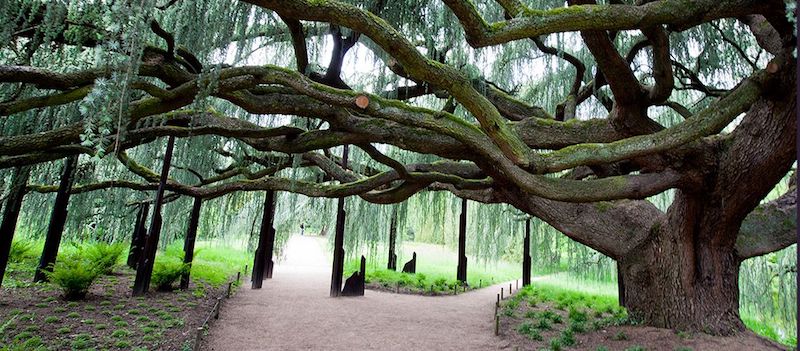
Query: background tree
[696,98]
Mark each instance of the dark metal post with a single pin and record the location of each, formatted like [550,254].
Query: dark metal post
[144,269]
[57,220]
[188,243]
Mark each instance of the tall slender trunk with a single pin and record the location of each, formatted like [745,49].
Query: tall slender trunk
[19,181]
[57,220]
[461,272]
[264,249]
[393,240]
[338,241]
[139,235]
[526,254]
[188,243]
[144,269]
[270,245]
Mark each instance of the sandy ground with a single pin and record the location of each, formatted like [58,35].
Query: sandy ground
[293,312]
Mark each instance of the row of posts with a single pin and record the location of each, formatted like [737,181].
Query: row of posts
[145,242]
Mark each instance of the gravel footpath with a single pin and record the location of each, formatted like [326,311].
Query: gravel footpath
[293,312]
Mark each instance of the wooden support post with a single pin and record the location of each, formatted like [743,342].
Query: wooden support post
[501,294]
[19,182]
[269,263]
[188,243]
[264,250]
[58,218]
[392,240]
[461,273]
[139,235]
[144,270]
[338,242]
[620,286]
[363,274]
[509,290]
[497,325]
[526,255]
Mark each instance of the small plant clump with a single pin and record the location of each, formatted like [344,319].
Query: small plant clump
[74,274]
[166,272]
[104,256]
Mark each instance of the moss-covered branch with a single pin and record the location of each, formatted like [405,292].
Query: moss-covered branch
[678,14]
[770,227]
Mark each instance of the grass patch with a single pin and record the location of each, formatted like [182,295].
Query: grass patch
[436,269]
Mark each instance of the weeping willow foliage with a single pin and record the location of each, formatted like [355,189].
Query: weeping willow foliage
[112,35]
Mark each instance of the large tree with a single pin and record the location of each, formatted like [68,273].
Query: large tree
[584,164]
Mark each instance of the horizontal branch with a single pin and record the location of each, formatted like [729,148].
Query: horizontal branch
[678,14]
[709,121]
[769,228]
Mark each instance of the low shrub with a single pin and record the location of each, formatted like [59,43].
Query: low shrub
[74,274]
[105,256]
[20,250]
[166,271]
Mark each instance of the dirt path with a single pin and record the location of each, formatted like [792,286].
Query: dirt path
[293,312]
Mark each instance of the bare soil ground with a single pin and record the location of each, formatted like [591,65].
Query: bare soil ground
[35,317]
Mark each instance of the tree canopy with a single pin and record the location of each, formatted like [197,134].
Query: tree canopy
[574,113]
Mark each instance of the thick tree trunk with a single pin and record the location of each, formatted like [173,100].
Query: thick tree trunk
[144,270]
[10,214]
[188,243]
[139,235]
[686,277]
[57,220]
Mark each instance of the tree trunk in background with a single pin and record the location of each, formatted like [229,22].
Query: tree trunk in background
[139,234]
[19,181]
[144,269]
[687,276]
[338,242]
[393,240]
[188,243]
[57,220]
[461,273]
[264,250]
[526,254]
